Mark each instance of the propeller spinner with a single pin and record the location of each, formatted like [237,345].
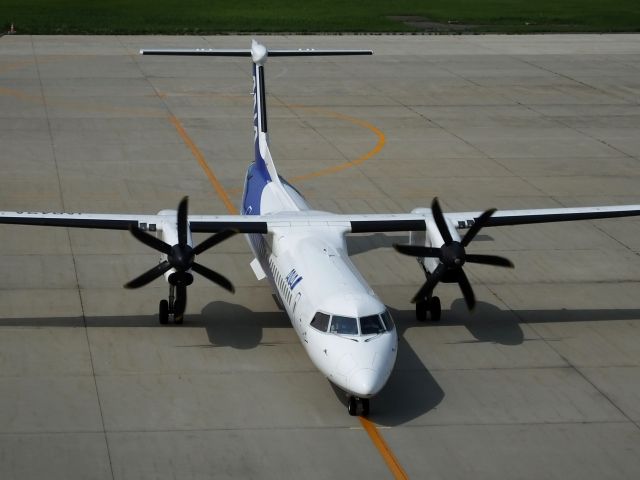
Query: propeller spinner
[452,256]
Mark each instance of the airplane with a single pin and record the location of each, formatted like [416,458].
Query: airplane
[344,327]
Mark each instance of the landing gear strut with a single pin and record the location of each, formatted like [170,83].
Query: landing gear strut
[352,406]
[430,306]
[172,306]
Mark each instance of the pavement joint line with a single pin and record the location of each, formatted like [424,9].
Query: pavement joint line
[371,429]
[577,130]
[318,428]
[222,193]
[220,190]
[73,257]
[342,166]
[351,163]
[567,77]
[570,365]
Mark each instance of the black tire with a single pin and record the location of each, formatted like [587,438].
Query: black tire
[352,406]
[421,310]
[163,312]
[179,320]
[365,407]
[435,309]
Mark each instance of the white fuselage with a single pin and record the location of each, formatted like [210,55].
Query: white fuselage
[311,273]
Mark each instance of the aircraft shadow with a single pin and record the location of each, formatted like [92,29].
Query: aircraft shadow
[411,391]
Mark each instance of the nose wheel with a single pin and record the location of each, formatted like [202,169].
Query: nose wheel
[354,402]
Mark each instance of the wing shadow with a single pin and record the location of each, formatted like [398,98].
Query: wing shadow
[363,243]
[411,392]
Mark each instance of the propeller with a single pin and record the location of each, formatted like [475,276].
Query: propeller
[181,258]
[452,256]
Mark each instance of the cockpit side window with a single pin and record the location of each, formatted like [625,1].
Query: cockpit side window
[371,325]
[344,325]
[320,321]
[387,320]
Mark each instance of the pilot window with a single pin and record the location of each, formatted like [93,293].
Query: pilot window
[320,321]
[344,325]
[387,320]
[371,325]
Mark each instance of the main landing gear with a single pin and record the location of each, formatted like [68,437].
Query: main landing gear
[354,402]
[428,308]
[176,304]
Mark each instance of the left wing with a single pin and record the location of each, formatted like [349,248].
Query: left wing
[152,223]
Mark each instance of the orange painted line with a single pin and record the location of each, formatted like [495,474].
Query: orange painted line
[382,140]
[222,193]
[387,455]
[343,166]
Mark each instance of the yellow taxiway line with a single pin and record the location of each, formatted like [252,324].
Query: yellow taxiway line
[374,434]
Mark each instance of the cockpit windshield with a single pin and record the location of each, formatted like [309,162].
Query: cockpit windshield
[344,325]
[369,324]
[387,320]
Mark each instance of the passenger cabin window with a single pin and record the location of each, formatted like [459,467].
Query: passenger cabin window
[344,325]
[371,325]
[320,321]
[387,320]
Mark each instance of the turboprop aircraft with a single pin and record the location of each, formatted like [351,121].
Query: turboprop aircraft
[346,330]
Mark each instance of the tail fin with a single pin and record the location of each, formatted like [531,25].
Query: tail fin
[263,159]
[266,170]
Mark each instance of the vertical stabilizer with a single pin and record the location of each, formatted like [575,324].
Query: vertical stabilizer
[263,159]
[264,191]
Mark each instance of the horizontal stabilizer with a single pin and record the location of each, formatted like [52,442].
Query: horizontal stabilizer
[239,52]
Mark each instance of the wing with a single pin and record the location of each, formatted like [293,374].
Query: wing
[349,223]
[113,221]
[545,215]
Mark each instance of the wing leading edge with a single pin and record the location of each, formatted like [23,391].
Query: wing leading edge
[546,215]
[356,223]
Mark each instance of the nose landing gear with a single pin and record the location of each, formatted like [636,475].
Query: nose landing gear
[354,402]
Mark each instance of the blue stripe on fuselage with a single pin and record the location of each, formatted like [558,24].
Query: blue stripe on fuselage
[257,174]
[253,187]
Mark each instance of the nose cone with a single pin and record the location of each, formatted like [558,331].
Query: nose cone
[365,382]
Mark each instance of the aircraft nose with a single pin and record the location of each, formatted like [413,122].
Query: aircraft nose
[364,382]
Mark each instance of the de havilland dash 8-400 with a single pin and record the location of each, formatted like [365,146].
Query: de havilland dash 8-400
[346,330]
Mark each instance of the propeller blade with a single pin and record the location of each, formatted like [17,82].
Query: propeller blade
[213,240]
[149,275]
[477,225]
[430,284]
[417,250]
[150,240]
[489,260]
[440,221]
[215,277]
[180,303]
[183,226]
[467,291]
